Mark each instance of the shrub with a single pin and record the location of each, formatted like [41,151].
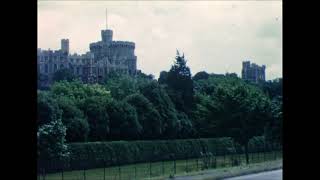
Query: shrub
[99,154]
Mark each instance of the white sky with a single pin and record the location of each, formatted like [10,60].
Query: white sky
[216,36]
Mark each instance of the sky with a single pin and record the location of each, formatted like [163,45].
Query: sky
[215,36]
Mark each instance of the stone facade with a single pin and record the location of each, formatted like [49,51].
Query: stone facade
[104,57]
[253,72]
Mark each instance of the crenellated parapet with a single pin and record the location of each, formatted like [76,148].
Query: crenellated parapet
[122,44]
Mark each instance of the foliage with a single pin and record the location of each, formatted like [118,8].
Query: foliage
[124,122]
[51,141]
[78,90]
[176,106]
[200,75]
[180,84]
[158,96]
[98,154]
[47,107]
[121,86]
[94,109]
[74,120]
[148,116]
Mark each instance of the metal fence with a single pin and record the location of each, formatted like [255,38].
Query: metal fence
[168,168]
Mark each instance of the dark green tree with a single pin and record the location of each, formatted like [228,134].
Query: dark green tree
[94,109]
[245,111]
[158,96]
[163,77]
[124,122]
[47,108]
[148,116]
[51,141]
[74,120]
[121,86]
[180,84]
[200,75]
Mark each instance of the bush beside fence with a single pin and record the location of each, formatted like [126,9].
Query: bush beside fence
[105,154]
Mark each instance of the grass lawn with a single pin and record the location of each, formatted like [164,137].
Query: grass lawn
[156,169]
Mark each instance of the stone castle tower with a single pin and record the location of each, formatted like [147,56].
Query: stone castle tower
[105,56]
[253,72]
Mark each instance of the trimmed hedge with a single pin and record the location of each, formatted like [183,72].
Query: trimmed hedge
[100,154]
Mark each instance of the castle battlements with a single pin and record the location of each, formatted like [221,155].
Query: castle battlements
[253,72]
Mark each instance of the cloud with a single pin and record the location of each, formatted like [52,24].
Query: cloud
[216,36]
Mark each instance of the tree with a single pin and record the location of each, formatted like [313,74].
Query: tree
[63,74]
[51,141]
[158,96]
[273,130]
[180,84]
[148,116]
[121,86]
[95,109]
[163,77]
[200,75]
[205,116]
[47,107]
[185,126]
[74,120]
[123,121]
[78,91]
[245,111]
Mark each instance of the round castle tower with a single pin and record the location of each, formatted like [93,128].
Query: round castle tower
[106,35]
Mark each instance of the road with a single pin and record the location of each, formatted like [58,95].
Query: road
[270,175]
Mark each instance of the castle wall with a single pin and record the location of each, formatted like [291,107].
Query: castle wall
[104,56]
[253,72]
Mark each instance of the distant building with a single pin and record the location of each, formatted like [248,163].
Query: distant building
[104,57]
[253,72]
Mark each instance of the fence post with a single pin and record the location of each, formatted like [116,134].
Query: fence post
[62,167]
[135,171]
[44,174]
[150,168]
[162,168]
[119,171]
[104,169]
[174,165]
[197,164]
[187,164]
[84,173]
[274,151]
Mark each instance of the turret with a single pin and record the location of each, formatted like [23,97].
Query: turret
[65,45]
[106,35]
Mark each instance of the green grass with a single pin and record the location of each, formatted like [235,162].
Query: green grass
[158,169]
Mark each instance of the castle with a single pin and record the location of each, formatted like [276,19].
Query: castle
[253,72]
[105,56]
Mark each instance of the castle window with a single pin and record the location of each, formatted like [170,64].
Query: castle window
[78,70]
[61,66]
[71,60]
[55,67]
[46,68]
[78,60]
[82,61]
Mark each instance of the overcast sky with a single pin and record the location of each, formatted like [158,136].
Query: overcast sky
[216,36]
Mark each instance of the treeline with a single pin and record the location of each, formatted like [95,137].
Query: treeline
[176,106]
